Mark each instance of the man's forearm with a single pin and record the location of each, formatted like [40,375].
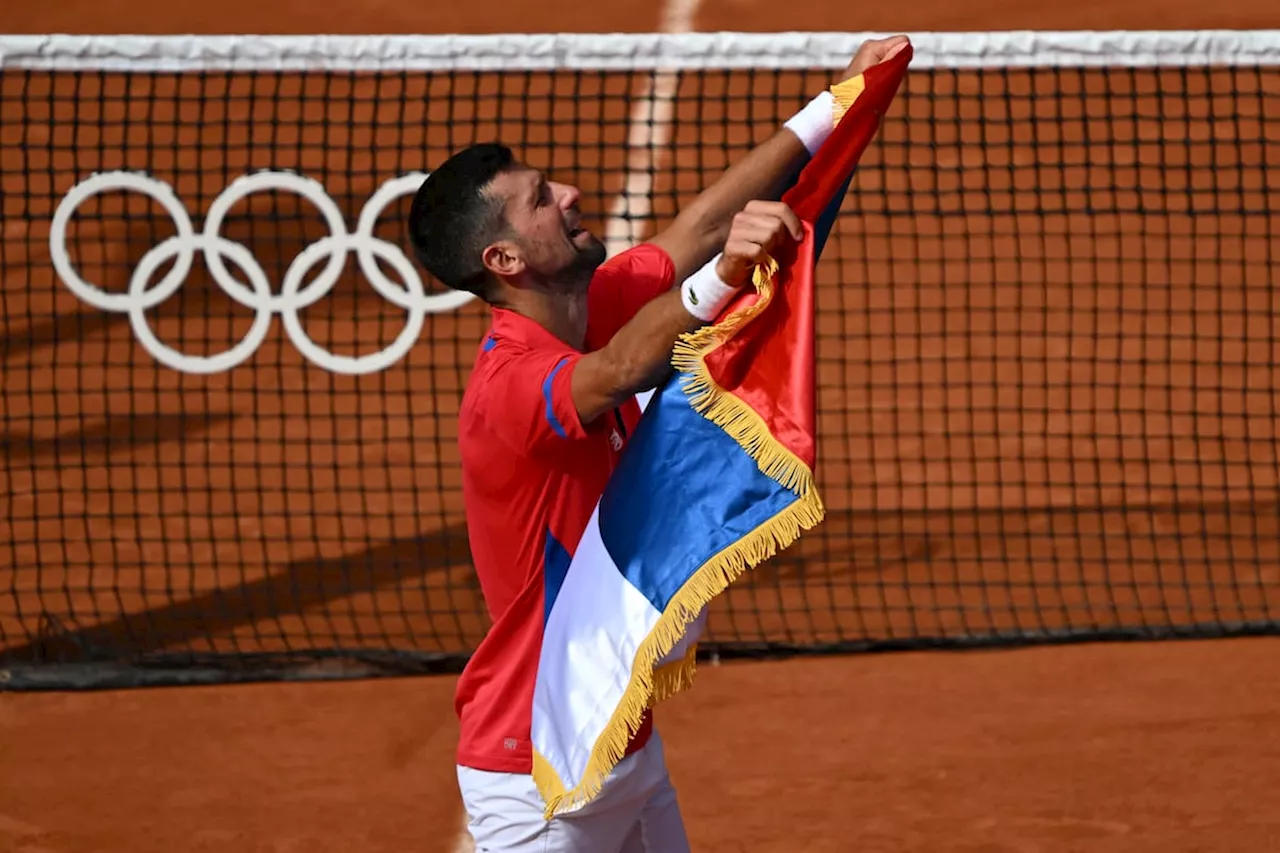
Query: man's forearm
[637,358]
[766,171]
[763,173]
[644,345]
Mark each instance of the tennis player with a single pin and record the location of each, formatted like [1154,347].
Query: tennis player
[546,415]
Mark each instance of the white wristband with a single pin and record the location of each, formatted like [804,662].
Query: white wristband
[704,294]
[814,123]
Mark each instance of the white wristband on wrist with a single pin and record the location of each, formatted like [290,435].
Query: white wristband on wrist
[814,123]
[704,294]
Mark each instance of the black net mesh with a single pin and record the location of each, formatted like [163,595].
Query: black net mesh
[1047,361]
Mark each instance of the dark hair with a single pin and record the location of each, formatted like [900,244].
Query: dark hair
[453,217]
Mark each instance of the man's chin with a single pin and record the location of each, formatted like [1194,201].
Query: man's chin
[576,276]
[590,250]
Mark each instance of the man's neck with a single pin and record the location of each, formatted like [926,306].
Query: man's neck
[562,314]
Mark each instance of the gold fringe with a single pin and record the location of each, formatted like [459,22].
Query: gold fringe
[668,680]
[745,426]
[647,686]
[845,93]
[711,336]
[675,677]
[722,408]
[547,780]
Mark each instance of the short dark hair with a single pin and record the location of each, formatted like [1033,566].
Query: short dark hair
[453,217]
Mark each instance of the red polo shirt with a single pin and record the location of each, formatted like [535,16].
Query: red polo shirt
[531,477]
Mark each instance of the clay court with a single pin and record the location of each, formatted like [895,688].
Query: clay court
[1022,455]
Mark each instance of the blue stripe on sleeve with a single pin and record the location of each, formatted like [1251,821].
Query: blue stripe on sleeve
[546,394]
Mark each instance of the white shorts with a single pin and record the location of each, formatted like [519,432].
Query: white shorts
[635,811]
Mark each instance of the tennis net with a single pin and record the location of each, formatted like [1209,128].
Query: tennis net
[1047,338]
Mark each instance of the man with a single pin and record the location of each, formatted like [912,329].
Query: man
[545,417]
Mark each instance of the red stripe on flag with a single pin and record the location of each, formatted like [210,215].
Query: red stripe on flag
[769,364]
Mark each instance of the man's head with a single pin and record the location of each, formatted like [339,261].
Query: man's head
[483,221]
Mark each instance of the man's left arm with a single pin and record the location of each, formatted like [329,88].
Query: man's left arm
[700,229]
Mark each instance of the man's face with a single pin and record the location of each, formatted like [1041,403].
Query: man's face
[545,218]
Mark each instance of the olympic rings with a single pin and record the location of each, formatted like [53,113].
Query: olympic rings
[217,250]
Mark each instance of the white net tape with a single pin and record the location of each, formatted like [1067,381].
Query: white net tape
[1024,48]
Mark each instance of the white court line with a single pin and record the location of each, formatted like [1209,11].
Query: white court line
[649,135]
[647,138]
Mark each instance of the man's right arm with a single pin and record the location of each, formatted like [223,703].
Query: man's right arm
[763,173]
[638,357]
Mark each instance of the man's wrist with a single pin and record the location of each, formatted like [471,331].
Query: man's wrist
[813,124]
[704,294]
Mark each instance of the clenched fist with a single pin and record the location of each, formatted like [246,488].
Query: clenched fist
[754,235]
[873,52]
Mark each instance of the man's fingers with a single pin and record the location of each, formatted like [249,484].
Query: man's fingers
[779,213]
[879,50]
[756,227]
[755,233]
[792,222]
[739,256]
[874,51]
[768,232]
[748,244]
[775,210]
[898,43]
[767,208]
[889,45]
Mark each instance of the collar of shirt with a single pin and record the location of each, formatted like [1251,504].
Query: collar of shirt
[516,327]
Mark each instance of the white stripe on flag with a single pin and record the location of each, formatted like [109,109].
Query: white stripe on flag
[597,624]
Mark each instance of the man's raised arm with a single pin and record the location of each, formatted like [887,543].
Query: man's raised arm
[764,173]
[639,355]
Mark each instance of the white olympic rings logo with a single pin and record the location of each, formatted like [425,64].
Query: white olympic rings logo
[293,296]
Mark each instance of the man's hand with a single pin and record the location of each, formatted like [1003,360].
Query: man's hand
[639,355]
[873,52]
[759,229]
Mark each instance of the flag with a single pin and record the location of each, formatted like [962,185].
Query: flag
[717,478]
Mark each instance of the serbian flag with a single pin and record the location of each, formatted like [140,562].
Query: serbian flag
[717,478]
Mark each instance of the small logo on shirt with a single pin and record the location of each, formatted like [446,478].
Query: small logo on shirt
[615,440]
[693,297]
[509,743]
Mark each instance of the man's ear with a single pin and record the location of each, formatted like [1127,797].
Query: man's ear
[503,259]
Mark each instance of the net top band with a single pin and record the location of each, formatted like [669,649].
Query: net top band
[628,52]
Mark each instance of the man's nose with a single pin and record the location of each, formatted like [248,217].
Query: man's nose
[566,195]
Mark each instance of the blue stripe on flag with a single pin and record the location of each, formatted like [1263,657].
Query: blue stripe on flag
[546,395]
[822,228]
[682,492]
[555,565]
